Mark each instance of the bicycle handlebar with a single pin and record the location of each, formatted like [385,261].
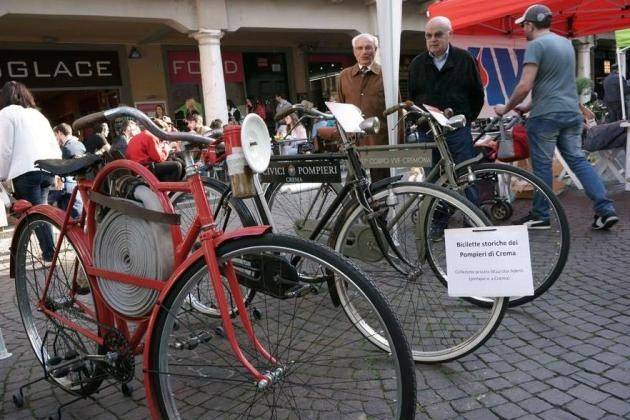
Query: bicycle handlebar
[141,117]
[395,108]
[305,107]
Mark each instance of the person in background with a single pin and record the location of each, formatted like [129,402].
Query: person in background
[216,124]
[447,77]
[147,150]
[71,148]
[282,103]
[159,111]
[234,114]
[291,130]
[362,85]
[249,104]
[25,137]
[261,109]
[554,118]
[97,142]
[195,125]
[128,129]
[612,94]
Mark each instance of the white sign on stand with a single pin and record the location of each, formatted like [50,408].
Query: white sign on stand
[488,262]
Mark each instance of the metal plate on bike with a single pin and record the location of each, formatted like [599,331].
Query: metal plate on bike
[299,171]
[397,156]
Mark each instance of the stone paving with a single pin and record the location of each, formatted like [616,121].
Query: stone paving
[565,355]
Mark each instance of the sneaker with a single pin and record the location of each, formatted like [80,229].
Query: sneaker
[604,222]
[533,223]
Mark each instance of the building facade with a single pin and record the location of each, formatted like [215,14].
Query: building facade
[80,57]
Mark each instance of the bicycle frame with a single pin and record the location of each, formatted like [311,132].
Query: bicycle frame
[82,233]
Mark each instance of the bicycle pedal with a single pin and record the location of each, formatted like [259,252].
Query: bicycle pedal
[301,290]
[256,314]
[61,372]
[53,361]
[72,354]
[193,342]
[77,367]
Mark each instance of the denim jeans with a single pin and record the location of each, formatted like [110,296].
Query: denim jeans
[61,199]
[33,187]
[563,130]
[460,145]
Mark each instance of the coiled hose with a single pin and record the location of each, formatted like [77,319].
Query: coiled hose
[136,247]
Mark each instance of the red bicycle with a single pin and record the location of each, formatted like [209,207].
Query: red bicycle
[122,283]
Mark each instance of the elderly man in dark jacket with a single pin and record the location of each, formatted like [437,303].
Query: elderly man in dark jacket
[447,77]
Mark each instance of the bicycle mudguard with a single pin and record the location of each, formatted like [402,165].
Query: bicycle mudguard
[241,233]
[375,186]
[57,215]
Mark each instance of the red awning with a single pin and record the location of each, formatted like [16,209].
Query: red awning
[570,18]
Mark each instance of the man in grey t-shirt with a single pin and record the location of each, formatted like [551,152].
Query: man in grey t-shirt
[555,119]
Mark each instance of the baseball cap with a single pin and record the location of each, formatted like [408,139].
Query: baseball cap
[536,13]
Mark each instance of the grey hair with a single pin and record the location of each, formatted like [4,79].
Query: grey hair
[370,37]
[442,20]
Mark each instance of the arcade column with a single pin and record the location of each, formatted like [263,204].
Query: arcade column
[212,81]
[584,59]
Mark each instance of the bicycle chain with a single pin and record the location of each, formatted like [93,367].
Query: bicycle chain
[123,367]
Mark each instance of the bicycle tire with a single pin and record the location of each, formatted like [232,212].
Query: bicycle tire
[342,382]
[233,214]
[540,240]
[62,298]
[439,328]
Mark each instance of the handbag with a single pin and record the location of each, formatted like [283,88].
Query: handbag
[513,145]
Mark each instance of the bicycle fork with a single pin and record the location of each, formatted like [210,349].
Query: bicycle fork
[262,380]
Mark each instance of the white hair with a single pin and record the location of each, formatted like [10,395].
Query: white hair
[369,37]
[442,21]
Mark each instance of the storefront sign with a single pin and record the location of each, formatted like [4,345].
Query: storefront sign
[488,262]
[60,69]
[317,170]
[184,67]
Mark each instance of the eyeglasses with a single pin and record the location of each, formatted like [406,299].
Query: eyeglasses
[436,35]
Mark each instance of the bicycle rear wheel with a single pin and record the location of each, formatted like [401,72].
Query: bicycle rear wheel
[69,296]
[230,214]
[506,195]
[297,208]
[328,368]
[439,328]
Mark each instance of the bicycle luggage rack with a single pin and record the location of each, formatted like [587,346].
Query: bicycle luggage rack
[397,155]
[18,398]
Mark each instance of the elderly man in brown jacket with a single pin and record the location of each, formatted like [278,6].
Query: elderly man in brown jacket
[362,85]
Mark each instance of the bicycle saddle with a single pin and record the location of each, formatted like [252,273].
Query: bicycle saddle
[64,167]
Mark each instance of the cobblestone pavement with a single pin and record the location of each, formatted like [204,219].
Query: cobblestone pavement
[566,355]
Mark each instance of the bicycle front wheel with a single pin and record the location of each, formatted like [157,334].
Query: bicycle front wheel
[439,328]
[328,368]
